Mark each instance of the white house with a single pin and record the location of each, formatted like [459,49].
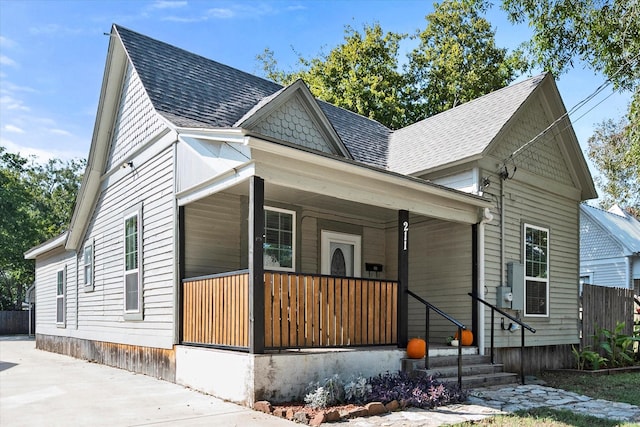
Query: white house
[609,248]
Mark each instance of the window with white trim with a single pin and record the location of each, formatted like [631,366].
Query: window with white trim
[87,265]
[132,251]
[279,241]
[61,279]
[536,270]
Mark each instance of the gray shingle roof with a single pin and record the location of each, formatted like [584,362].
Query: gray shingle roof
[192,91]
[459,133]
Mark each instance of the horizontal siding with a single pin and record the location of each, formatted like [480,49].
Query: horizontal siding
[611,273]
[101,311]
[309,245]
[212,235]
[46,292]
[463,181]
[440,271]
[528,204]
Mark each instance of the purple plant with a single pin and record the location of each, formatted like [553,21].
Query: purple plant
[414,390]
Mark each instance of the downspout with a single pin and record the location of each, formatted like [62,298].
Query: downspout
[502,231]
[486,217]
[629,282]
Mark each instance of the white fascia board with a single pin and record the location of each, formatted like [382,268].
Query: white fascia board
[330,164]
[100,142]
[233,135]
[56,242]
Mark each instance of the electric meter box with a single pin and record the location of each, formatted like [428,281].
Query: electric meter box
[504,297]
[515,280]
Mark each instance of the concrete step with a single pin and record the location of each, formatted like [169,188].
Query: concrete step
[484,380]
[467,370]
[410,365]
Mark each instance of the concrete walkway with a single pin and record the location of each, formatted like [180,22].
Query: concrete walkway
[42,388]
[38,388]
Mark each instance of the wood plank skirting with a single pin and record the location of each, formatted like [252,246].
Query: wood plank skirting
[156,362]
[301,311]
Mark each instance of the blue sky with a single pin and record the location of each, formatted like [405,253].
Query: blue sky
[52,54]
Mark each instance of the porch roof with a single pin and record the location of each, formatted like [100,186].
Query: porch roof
[291,171]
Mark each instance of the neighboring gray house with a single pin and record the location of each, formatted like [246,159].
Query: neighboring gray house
[224,220]
[609,248]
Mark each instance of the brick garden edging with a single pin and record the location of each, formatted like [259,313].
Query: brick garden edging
[326,415]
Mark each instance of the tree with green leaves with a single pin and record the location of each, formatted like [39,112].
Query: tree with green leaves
[605,36]
[360,75]
[36,202]
[457,59]
[620,180]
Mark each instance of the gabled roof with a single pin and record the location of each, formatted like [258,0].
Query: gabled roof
[195,92]
[463,132]
[621,226]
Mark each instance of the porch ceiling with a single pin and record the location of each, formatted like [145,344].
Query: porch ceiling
[294,196]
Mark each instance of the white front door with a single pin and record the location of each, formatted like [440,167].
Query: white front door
[341,254]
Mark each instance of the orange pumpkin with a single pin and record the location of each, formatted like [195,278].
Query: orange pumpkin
[416,348]
[467,337]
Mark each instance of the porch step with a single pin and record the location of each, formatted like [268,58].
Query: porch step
[477,370]
[483,380]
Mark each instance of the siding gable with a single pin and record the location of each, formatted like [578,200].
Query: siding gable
[293,115]
[595,241]
[136,121]
[292,123]
[544,157]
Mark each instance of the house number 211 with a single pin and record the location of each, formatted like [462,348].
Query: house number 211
[405,226]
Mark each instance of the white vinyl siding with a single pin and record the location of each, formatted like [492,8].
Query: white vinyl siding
[280,237]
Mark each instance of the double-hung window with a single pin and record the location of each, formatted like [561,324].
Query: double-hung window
[536,254]
[61,279]
[132,270]
[279,243]
[87,265]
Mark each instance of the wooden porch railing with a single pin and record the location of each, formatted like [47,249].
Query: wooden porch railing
[301,311]
[215,310]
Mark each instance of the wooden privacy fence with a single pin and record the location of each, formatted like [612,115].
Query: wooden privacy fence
[604,307]
[301,311]
[216,310]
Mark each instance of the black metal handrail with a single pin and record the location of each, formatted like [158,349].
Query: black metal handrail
[523,326]
[428,308]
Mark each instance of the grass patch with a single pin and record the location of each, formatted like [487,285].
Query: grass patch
[623,387]
[545,417]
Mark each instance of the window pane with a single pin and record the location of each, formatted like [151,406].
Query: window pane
[536,297]
[60,287]
[60,310]
[131,292]
[278,245]
[131,243]
[536,253]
